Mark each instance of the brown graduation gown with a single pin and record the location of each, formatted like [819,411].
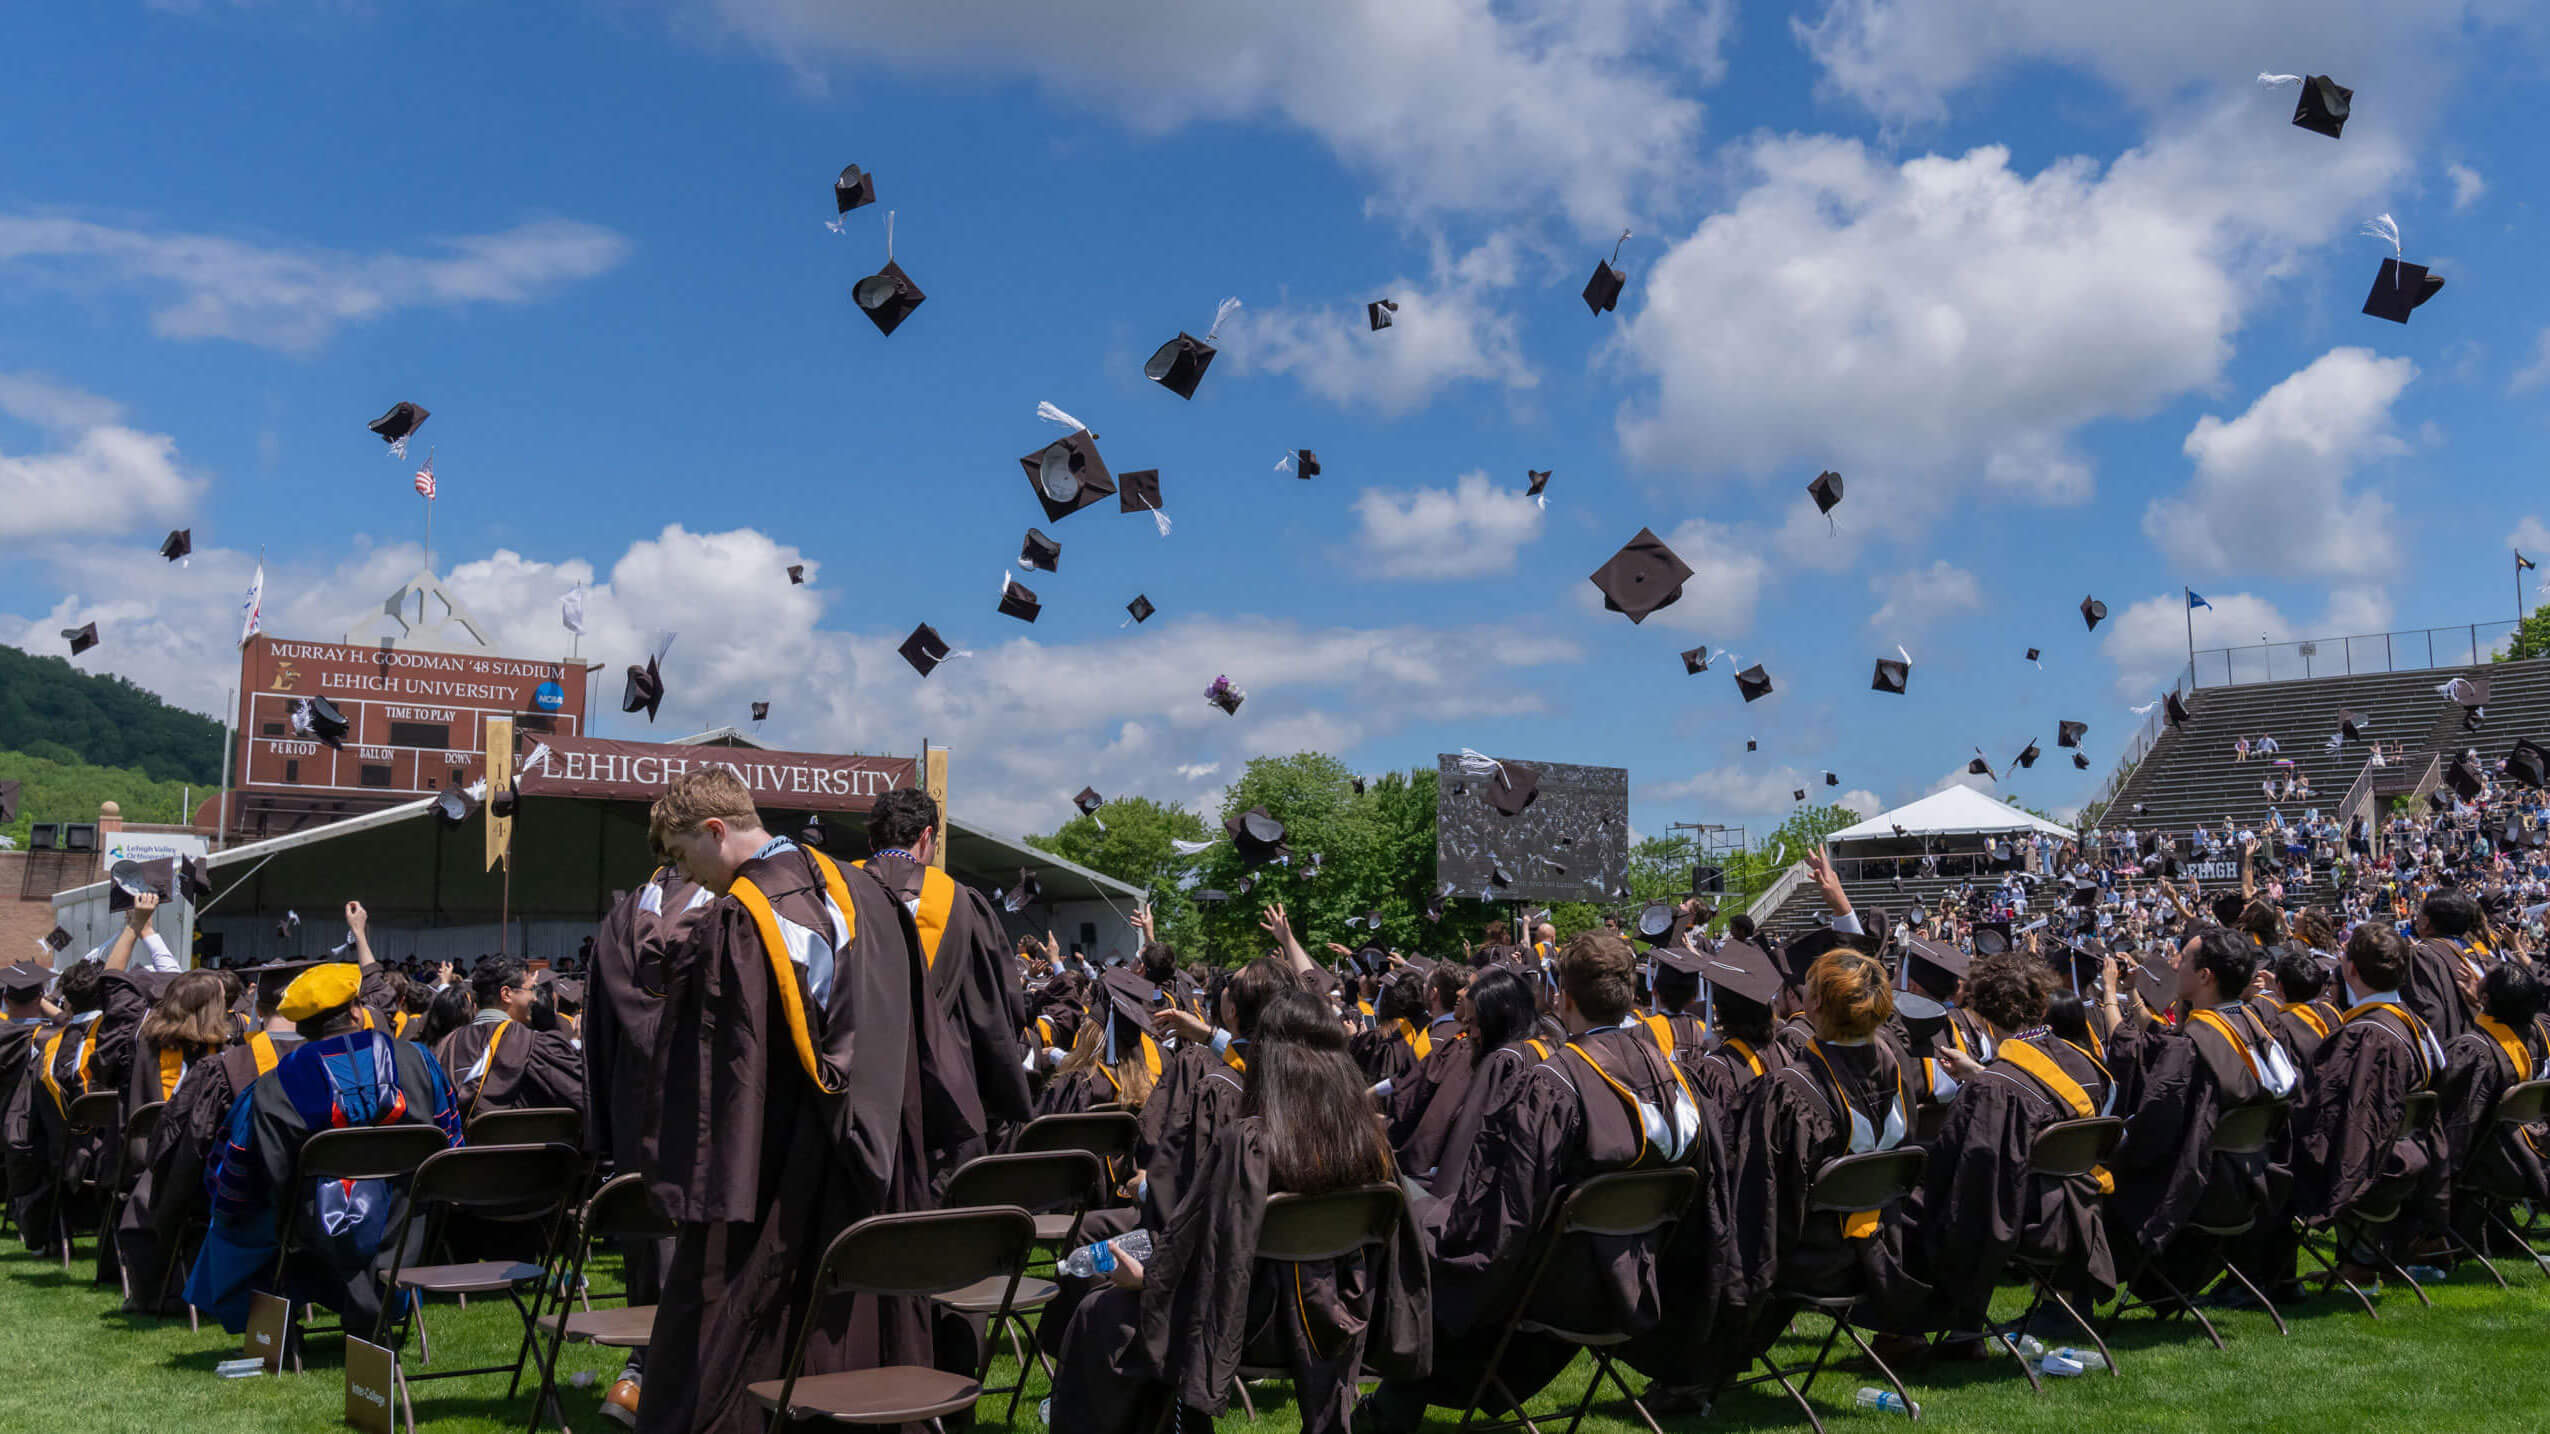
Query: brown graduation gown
[972,981]
[2478,1068]
[168,1202]
[2345,1132]
[530,1070]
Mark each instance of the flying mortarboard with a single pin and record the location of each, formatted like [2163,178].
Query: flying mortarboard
[179,543]
[1539,480]
[1088,801]
[1655,923]
[1798,795]
[812,833]
[1024,891]
[1039,552]
[854,188]
[2351,725]
[796,574]
[452,804]
[1991,937]
[1602,292]
[1067,474]
[1696,661]
[81,638]
[1826,490]
[2028,755]
[1752,746]
[1642,577]
[2529,763]
[924,649]
[887,296]
[2323,107]
[2081,761]
[1179,364]
[2033,655]
[2068,733]
[761,711]
[1302,461]
[1378,312]
[1512,788]
[318,717]
[1981,768]
[1018,600]
[1256,836]
[2176,708]
[129,879]
[1832,779]
[1222,694]
[1141,608]
[1892,675]
[2093,612]
[2399,289]
[395,426]
[644,691]
[1755,684]
[2464,778]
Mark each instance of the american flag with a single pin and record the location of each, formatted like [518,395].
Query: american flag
[425,480]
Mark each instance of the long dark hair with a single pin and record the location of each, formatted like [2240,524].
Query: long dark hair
[1502,1010]
[451,1009]
[1321,1133]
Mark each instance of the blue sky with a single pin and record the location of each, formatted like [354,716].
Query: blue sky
[2061,294]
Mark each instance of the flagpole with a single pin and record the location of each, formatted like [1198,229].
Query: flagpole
[429,515]
[2187,599]
[2510,642]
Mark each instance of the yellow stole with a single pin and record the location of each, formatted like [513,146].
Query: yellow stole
[2301,1010]
[1744,1052]
[783,971]
[53,1051]
[938,898]
[1626,1097]
[2415,1027]
[1860,1224]
[172,1065]
[2512,1044]
[494,1039]
[1661,1028]
[1540,1048]
[1418,1041]
[2044,1071]
[261,1050]
[2214,1020]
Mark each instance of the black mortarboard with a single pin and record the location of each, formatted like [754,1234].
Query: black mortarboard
[1655,923]
[452,805]
[1499,875]
[57,938]
[1088,801]
[1749,744]
[855,188]
[25,981]
[1755,684]
[319,717]
[2463,777]
[2351,725]
[1358,784]
[503,802]
[1040,552]
[2528,763]
[1140,492]
[1827,490]
[271,978]
[1797,794]
[179,543]
[1981,768]
[645,689]
[2157,985]
[1538,478]
[1068,475]
[796,574]
[887,297]
[2068,733]
[1256,836]
[1141,608]
[1179,364]
[924,649]
[2033,654]
[2323,106]
[1602,292]
[812,833]
[1832,779]
[2028,754]
[1023,892]
[1378,312]
[1892,675]
[1924,1020]
[1800,953]
[394,426]
[81,638]
[2176,709]
[761,711]
[2400,288]
[1991,937]
[2093,612]
[1643,576]
[1946,963]
[1434,909]
[1696,661]
[129,879]
[2081,761]
[8,801]
[1225,696]
[1019,600]
[1305,463]
[1512,788]
[1742,970]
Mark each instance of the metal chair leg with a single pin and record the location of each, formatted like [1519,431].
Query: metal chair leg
[2086,1327]
[1882,1368]
[2254,1293]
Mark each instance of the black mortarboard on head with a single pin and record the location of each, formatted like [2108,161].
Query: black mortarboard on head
[644,691]
[2068,733]
[1602,292]
[179,543]
[1696,661]
[1801,953]
[1643,576]
[761,711]
[1893,675]
[1039,552]
[25,981]
[2176,708]
[318,717]
[1936,965]
[855,188]
[1755,684]
[2028,755]
[2399,289]
[1067,474]
[1256,836]
[796,574]
[1089,801]
[1378,312]
[395,426]
[1018,600]
[1826,490]
[81,638]
[2323,107]
[1141,608]
[1743,971]
[2093,612]
[1179,364]
[2529,763]
[924,649]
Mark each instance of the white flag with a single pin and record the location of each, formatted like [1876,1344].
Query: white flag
[252,613]
[571,610]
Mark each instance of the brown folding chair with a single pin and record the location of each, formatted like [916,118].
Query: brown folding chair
[1058,1183]
[1848,1185]
[1625,1204]
[379,1152]
[927,1253]
[99,1111]
[2489,1187]
[493,1182]
[2360,1226]
[532,1125]
[622,1210]
[133,1149]
[2226,1212]
[2065,1150]
[1109,1134]
[1315,1229]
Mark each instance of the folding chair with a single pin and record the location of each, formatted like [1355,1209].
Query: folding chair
[1625,1204]
[2065,1150]
[932,1252]
[621,1210]
[2358,1226]
[2489,1187]
[1848,1185]
[1059,1183]
[1314,1229]
[1110,1135]
[497,1182]
[97,1111]
[2224,1213]
[133,1149]
[533,1125]
[379,1152]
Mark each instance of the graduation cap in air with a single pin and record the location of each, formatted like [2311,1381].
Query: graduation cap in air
[8,801]
[57,938]
[1141,494]
[2399,289]
[1832,779]
[395,426]
[1749,744]
[1643,576]
[888,297]
[2529,763]
[1826,490]
[1303,462]
[1978,767]
[1026,890]
[2324,104]
[1141,608]
[761,711]
[2176,708]
[2033,655]
[2464,778]
[129,879]
[1602,292]
[1222,694]
[1991,937]
[81,638]
[504,802]
[925,649]
[1893,675]
[1089,801]
[2472,696]
[2093,612]
[2081,761]
[452,804]
[812,833]
[318,717]
[2028,755]
[644,691]
[1018,600]
[2068,733]
[1357,783]
[1067,474]
[855,188]
[1256,836]
[25,981]
[179,543]
[2351,725]
[1925,1020]
[1378,312]
[1039,552]
[1755,684]
[1696,661]
[1434,908]
[796,574]
[1798,795]
[1655,923]
[1512,787]
[1179,364]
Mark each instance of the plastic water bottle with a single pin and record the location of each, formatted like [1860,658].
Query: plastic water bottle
[2085,1358]
[2026,1346]
[2424,1274]
[1887,1399]
[2057,1365]
[1100,1258]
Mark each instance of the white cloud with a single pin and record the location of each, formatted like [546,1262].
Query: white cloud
[1473,528]
[294,298]
[1923,596]
[1948,323]
[104,478]
[1199,771]
[1960,777]
[2147,641]
[2270,493]
[1447,330]
[1766,791]
[2530,536]
[2536,373]
[2467,185]
[1446,104]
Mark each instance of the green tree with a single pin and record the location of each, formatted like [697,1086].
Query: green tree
[1129,840]
[104,720]
[54,790]
[2531,638]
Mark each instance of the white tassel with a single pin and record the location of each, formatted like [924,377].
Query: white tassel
[1479,764]
[2266,79]
[2386,229]
[889,236]
[1189,848]
[1161,521]
[1906,656]
[1284,464]
[2143,711]
[664,643]
[1543,500]
[1221,311]
[398,448]
[1615,248]
[1051,414]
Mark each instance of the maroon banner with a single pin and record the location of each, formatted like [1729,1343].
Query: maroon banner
[549,765]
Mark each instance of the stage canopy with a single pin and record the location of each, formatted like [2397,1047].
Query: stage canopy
[1958,811]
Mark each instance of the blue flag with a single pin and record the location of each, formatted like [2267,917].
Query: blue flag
[2196,600]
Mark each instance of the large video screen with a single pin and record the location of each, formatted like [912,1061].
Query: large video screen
[1569,842]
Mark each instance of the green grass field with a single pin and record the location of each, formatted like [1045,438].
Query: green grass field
[2479,1361]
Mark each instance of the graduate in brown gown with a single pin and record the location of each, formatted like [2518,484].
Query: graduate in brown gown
[1443,1068]
[504,1059]
[1397,1040]
[1500,1026]
[1673,1015]
[2449,952]
[787,1103]
[24,1013]
[189,1026]
[966,955]
[1606,1101]
[89,1048]
[2293,1004]
[1092,1075]
[1179,1326]
[2504,1047]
